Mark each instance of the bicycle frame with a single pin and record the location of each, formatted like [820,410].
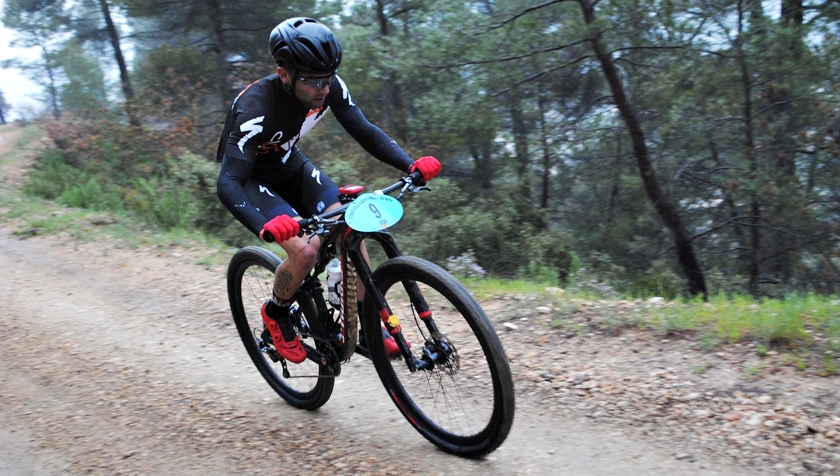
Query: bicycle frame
[465,410]
[349,242]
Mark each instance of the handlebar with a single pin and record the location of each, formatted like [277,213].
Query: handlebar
[412,182]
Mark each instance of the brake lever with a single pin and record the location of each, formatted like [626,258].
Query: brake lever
[313,234]
[410,187]
[319,230]
[405,188]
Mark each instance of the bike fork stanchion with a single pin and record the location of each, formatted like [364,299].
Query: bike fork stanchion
[424,312]
[392,325]
[389,320]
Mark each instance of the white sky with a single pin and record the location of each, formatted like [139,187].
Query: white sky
[18,90]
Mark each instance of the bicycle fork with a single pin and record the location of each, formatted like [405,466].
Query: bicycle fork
[435,350]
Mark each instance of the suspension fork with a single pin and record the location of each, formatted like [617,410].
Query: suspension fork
[423,310]
[389,320]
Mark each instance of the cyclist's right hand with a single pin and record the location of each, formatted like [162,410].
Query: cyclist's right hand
[280,229]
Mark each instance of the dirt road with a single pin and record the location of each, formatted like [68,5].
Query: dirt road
[119,361]
[125,361]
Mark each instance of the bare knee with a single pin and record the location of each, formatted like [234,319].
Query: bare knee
[302,254]
[308,255]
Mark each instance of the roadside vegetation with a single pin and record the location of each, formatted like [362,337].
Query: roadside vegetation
[676,172]
[98,201]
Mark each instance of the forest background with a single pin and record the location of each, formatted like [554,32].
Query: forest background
[637,148]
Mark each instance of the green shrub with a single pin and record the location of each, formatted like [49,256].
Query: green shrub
[777,321]
[505,240]
[678,318]
[658,280]
[51,176]
[161,204]
[89,195]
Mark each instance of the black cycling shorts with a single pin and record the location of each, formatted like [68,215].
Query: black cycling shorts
[303,193]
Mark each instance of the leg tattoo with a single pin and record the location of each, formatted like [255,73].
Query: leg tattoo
[283,284]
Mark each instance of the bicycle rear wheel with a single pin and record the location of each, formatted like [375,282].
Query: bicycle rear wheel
[465,403]
[250,281]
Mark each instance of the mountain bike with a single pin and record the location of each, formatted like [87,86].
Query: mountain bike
[451,381]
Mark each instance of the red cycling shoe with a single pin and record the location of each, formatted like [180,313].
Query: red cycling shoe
[290,348]
[391,346]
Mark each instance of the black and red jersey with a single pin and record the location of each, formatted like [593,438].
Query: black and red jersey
[265,122]
[258,142]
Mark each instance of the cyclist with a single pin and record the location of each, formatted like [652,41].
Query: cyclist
[267,183]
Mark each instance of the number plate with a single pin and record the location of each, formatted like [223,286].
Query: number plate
[373,212]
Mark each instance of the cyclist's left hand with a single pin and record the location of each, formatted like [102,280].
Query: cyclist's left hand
[428,166]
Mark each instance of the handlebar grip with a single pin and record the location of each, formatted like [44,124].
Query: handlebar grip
[417,177]
[267,236]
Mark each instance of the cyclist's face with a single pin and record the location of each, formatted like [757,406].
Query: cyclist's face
[311,92]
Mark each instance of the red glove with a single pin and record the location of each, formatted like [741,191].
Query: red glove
[428,166]
[280,229]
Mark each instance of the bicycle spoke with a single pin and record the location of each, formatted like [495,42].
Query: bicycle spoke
[250,281]
[462,399]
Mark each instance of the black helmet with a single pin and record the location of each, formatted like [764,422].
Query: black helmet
[305,46]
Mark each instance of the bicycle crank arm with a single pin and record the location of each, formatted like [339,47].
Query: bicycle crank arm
[363,351]
[321,358]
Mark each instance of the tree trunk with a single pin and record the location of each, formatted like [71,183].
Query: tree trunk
[616,188]
[215,16]
[666,210]
[53,90]
[482,152]
[520,136]
[754,257]
[546,172]
[755,205]
[793,12]
[393,108]
[128,92]
[520,144]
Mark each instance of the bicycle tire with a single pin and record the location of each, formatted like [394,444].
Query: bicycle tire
[250,280]
[466,405]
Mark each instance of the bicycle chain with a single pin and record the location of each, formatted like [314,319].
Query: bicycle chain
[351,324]
[327,344]
[334,354]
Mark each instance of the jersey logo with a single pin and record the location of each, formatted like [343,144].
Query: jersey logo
[264,189]
[345,92]
[316,174]
[252,127]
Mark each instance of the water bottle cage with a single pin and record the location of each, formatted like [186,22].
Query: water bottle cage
[335,293]
[334,287]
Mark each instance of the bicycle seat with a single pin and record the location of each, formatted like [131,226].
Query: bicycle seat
[351,191]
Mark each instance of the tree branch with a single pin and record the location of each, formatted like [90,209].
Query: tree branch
[516,57]
[536,76]
[523,13]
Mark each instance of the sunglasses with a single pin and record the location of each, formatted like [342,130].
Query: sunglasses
[317,83]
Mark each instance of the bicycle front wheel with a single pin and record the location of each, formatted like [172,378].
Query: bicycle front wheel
[307,385]
[464,403]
